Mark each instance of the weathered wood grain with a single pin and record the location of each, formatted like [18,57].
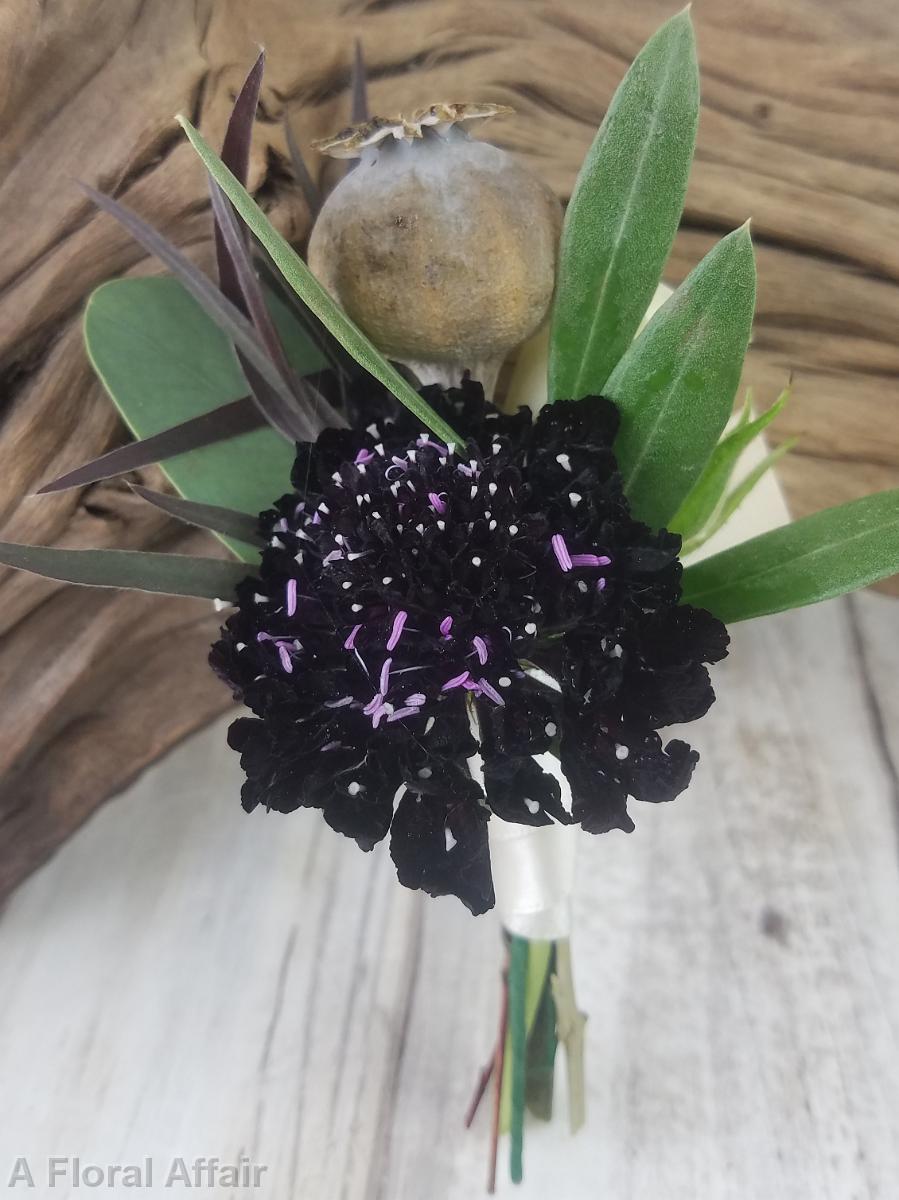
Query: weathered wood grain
[798,131]
[228,985]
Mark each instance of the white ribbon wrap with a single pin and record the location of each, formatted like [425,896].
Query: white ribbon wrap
[533,871]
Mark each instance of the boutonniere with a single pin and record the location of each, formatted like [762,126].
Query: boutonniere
[450,616]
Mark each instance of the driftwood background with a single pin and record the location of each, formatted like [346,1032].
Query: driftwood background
[801,107]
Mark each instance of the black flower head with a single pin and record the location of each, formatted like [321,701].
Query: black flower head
[420,604]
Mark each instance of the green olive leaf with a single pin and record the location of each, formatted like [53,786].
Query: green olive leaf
[815,558]
[675,385]
[624,212]
[311,291]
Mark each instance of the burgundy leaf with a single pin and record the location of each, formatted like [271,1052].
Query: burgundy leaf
[275,401]
[231,420]
[228,521]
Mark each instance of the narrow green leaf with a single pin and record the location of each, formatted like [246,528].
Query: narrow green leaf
[735,498]
[311,291]
[163,361]
[624,212]
[138,570]
[542,1046]
[518,973]
[816,558]
[242,526]
[675,385]
[708,492]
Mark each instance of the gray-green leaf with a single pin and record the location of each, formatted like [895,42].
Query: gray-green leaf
[675,386]
[816,558]
[624,212]
[163,360]
[172,574]
[708,492]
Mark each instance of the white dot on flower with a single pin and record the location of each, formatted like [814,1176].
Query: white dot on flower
[492,525]
[241,645]
[581,586]
[387,579]
[356,608]
[505,681]
[575,498]
[276,543]
[425,773]
[441,525]
[376,516]
[564,461]
[621,752]
[355,788]
[476,561]
[616,651]
[259,598]
[551,728]
[450,840]
[346,585]
[429,724]
[492,489]
[530,627]
[474,490]
[513,529]
[533,806]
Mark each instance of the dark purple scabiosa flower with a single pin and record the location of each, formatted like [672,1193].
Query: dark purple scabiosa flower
[419,604]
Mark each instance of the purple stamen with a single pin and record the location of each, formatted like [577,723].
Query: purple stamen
[316,520]
[481,646]
[285,658]
[600,584]
[446,625]
[384,683]
[373,705]
[291,597]
[378,714]
[489,690]
[402,712]
[364,456]
[456,681]
[561,552]
[350,643]
[396,633]
[437,503]
[416,700]
[341,703]
[590,560]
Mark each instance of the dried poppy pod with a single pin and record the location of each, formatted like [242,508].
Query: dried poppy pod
[442,249]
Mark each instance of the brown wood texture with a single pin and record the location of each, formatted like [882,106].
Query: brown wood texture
[801,107]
